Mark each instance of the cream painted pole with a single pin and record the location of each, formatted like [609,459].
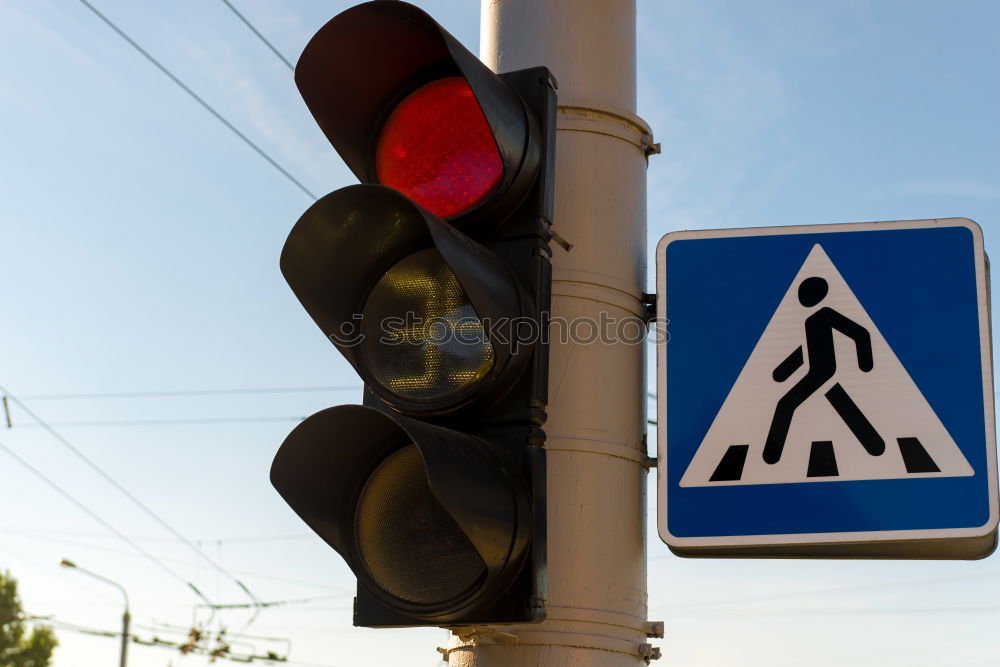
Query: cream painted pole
[596,605]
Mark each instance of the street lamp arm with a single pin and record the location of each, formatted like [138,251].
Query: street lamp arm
[71,564]
[126,617]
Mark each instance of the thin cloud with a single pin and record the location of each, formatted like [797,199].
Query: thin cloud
[59,28]
[951,188]
[702,69]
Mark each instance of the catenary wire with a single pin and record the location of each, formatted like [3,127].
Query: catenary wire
[21,530]
[263,604]
[34,564]
[209,108]
[156,626]
[699,606]
[261,37]
[168,422]
[89,512]
[248,573]
[128,494]
[188,392]
[157,642]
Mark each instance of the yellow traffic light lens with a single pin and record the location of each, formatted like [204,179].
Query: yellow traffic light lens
[409,545]
[423,340]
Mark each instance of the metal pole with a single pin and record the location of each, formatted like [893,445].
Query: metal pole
[126,618]
[596,605]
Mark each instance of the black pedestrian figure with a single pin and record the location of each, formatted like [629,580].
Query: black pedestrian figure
[822,366]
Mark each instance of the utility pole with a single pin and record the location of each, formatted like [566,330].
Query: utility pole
[596,445]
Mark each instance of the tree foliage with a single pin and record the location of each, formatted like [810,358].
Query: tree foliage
[18,646]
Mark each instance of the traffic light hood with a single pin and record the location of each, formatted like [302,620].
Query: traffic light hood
[366,60]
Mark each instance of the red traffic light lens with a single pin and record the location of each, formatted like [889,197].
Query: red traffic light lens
[438,150]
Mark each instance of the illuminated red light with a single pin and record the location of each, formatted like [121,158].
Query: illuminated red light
[437,149]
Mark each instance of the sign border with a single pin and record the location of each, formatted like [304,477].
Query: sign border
[704,545]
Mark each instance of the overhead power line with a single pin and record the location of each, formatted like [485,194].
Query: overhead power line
[159,626]
[172,393]
[22,530]
[170,422]
[277,603]
[96,517]
[209,108]
[249,573]
[128,494]
[261,37]
[198,644]
[187,392]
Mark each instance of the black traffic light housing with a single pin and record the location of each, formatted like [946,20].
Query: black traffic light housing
[433,491]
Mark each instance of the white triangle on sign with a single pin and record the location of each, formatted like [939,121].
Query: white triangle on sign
[820,445]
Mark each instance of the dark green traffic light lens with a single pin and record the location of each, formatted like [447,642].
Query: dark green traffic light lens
[408,544]
[423,340]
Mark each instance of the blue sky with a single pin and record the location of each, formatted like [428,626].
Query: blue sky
[139,242]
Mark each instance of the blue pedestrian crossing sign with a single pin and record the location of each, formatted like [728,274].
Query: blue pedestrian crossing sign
[826,391]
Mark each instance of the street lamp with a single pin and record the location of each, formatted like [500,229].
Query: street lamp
[126,618]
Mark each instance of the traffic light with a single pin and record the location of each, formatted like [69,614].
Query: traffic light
[432,279]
